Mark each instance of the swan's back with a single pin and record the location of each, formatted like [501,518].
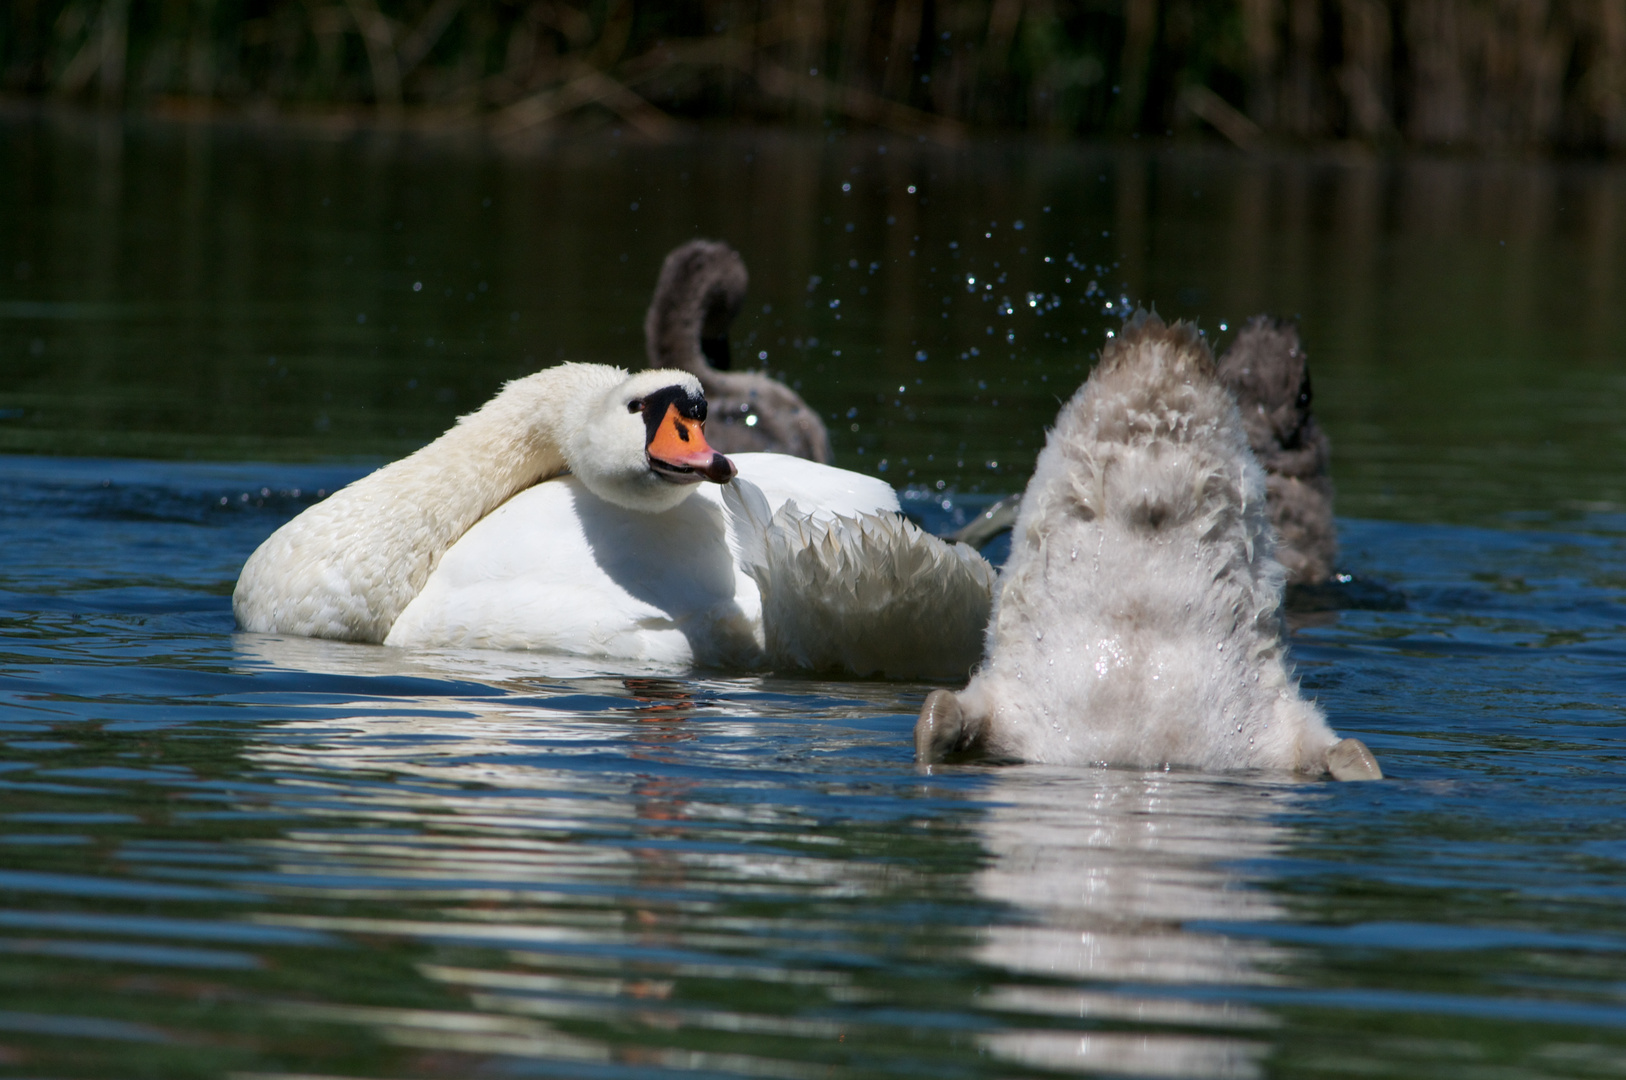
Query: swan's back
[736,576]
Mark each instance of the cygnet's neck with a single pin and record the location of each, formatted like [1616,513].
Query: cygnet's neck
[701,287]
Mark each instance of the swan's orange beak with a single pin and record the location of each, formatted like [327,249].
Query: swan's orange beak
[678,451]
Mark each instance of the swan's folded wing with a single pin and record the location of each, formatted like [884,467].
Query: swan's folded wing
[867,594]
[747,518]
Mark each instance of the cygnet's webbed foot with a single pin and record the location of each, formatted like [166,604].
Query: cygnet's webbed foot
[1347,759]
[944,732]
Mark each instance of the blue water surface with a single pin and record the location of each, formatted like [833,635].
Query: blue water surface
[242,854]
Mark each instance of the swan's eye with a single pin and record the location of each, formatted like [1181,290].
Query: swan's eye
[635,405]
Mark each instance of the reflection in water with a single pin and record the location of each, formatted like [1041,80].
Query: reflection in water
[566,904]
[1103,869]
[317,655]
[566,907]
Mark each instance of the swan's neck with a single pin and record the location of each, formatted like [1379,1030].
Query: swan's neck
[515,440]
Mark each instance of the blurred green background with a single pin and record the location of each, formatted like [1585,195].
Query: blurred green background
[233,292]
[1514,75]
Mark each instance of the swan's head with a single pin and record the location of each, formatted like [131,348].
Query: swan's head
[642,444]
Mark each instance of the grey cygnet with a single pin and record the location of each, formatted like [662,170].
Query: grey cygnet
[699,292]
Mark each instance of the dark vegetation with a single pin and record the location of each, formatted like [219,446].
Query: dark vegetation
[1511,75]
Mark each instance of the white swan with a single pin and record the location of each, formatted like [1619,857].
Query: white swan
[625,557]
[1138,619]
[737,576]
[347,567]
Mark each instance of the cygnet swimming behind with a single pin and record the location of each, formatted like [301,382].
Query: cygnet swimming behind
[700,289]
[1266,369]
[1138,619]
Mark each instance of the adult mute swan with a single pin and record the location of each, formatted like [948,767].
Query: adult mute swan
[699,291]
[347,567]
[627,556]
[1138,619]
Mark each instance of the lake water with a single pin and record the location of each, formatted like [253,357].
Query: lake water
[248,856]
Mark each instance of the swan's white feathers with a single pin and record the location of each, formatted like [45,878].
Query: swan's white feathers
[867,593]
[737,576]
[1138,618]
[556,569]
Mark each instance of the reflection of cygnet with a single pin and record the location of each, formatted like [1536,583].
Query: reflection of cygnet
[1138,620]
[1102,874]
[1266,368]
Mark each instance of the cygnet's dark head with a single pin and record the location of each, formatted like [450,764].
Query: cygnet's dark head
[699,292]
[1266,369]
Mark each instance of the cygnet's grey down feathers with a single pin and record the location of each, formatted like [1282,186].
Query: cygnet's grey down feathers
[867,594]
[1138,619]
[1266,369]
[699,292]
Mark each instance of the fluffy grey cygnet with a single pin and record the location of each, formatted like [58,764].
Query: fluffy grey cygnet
[700,289]
[1266,369]
[1138,619]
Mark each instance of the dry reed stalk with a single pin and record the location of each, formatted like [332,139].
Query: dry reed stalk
[1364,75]
[1135,65]
[1224,117]
[588,86]
[378,34]
[1603,88]
[1259,22]
[1300,109]
[427,32]
[1439,106]
[900,54]
[858,26]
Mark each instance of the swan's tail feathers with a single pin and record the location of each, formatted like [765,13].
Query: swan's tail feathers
[872,594]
